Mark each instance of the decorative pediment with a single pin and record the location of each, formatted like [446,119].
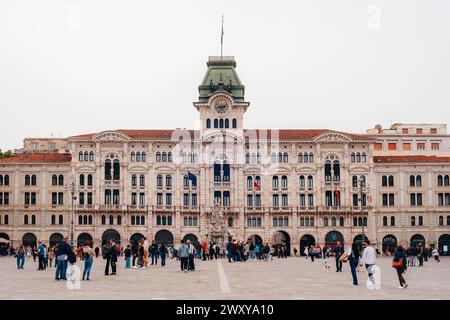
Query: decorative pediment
[333,137]
[111,136]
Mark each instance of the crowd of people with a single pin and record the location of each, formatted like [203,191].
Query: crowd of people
[142,254]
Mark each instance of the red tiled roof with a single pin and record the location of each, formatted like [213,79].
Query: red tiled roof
[411,159]
[283,134]
[38,158]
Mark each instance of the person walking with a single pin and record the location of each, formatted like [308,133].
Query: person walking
[229,251]
[338,251]
[88,256]
[353,259]
[106,253]
[97,251]
[420,254]
[128,257]
[51,256]
[62,254]
[154,253]
[20,255]
[146,246]
[163,253]
[191,265]
[436,254]
[368,259]
[140,254]
[113,255]
[134,251]
[183,254]
[41,255]
[400,264]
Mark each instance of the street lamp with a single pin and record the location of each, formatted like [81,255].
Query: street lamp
[362,189]
[72,190]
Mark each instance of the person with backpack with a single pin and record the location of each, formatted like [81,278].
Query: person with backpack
[400,264]
[41,255]
[163,253]
[106,253]
[88,254]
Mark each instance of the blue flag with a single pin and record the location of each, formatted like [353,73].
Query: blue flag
[193,178]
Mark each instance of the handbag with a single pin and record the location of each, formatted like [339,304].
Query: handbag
[397,264]
[344,257]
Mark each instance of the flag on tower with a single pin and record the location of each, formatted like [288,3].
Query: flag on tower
[193,178]
[256,185]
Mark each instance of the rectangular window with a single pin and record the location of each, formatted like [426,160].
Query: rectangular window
[133,199]
[302,200]
[249,200]
[60,198]
[434,146]
[284,200]
[385,199]
[258,200]
[186,199]
[419,131]
[55,198]
[406,146]
[168,199]
[378,146]
[275,201]
[89,198]
[142,199]
[405,130]
[391,199]
[81,198]
[421,146]
[392,146]
[194,199]
[310,200]
[433,130]
[159,199]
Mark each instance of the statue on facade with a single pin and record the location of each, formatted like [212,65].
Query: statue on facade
[217,230]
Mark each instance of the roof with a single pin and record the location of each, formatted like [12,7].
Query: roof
[38,158]
[283,134]
[411,159]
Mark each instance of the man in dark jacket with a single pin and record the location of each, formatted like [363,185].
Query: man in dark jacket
[113,254]
[154,252]
[106,253]
[230,251]
[338,251]
[61,254]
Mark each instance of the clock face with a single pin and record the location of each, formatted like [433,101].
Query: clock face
[221,105]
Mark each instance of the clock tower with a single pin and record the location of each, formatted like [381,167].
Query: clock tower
[221,103]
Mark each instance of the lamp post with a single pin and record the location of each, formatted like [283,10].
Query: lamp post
[362,189]
[72,190]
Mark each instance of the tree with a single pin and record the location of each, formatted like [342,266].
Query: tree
[6,154]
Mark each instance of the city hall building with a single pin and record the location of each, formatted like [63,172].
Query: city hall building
[296,187]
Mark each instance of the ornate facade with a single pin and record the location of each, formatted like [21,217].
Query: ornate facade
[279,186]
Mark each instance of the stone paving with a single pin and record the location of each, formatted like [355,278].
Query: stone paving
[292,278]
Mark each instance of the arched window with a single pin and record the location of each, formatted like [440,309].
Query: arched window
[111,220]
[325,221]
[116,167]
[168,180]
[230,222]
[61,219]
[385,221]
[33,219]
[158,220]
[305,157]
[360,221]
[227,123]
[328,170]
[138,157]
[91,156]
[440,181]
[391,181]
[310,182]
[133,220]
[420,221]
[363,157]
[333,221]
[144,156]
[249,182]
[133,157]
[169,220]
[352,157]
[355,222]
[61,180]
[365,221]
[441,220]
[341,221]
[446,181]
[418,181]
[226,171]
[384,182]
[413,221]
[119,220]
[234,123]
[80,156]
[158,156]
[81,179]
[208,123]
[133,180]
[311,222]
[216,123]
[286,221]
[274,157]
[103,220]
[25,219]
[80,219]
[164,157]
[311,157]
[275,182]
[86,156]
[285,157]
[6,181]
[54,180]
[280,157]
[142,180]
[412,181]
[392,221]
[142,220]
[300,157]
[355,182]
[159,180]
[247,157]
[108,169]
[54,219]
[90,219]
[284,182]
[302,181]
[89,180]
[358,157]
[169,156]
[336,170]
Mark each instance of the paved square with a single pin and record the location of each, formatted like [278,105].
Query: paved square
[292,278]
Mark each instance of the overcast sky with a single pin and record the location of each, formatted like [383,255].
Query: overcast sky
[73,67]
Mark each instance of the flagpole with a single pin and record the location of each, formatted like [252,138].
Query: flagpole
[221,40]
